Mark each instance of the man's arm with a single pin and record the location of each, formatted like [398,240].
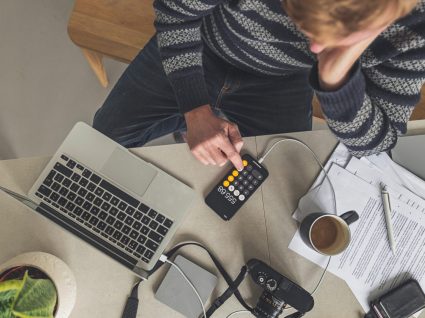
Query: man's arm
[371,108]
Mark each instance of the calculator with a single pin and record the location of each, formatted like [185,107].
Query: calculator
[236,187]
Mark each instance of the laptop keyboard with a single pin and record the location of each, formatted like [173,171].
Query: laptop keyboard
[101,207]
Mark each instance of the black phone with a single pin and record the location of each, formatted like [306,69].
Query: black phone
[400,302]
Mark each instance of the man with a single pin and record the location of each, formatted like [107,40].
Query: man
[222,68]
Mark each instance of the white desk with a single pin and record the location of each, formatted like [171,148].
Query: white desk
[262,229]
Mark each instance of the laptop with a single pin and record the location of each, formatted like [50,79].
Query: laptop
[409,152]
[101,192]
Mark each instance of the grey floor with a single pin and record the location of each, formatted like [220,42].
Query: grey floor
[46,84]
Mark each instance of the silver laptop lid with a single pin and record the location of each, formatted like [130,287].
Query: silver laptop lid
[409,152]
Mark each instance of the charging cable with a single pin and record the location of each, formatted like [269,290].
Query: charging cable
[165,259]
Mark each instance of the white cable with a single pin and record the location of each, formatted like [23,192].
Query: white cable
[314,156]
[327,178]
[238,312]
[190,283]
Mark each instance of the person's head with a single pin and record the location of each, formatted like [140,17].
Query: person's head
[329,23]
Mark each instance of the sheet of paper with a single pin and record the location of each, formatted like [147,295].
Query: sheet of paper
[368,266]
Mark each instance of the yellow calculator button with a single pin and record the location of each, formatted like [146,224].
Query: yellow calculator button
[226,183]
[235,173]
[245,163]
[230,178]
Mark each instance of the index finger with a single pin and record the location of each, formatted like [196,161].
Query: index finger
[231,153]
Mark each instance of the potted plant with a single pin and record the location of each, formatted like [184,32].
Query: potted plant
[36,285]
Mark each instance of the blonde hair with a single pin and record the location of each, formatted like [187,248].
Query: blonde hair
[328,18]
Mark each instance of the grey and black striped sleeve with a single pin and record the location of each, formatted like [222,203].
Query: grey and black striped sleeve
[178,25]
[372,109]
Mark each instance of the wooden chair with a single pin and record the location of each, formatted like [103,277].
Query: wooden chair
[115,28]
[120,28]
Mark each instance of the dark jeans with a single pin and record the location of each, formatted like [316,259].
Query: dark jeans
[142,105]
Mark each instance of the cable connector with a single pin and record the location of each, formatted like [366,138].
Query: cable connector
[163,258]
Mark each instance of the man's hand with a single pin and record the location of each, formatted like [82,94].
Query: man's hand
[211,139]
[336,62]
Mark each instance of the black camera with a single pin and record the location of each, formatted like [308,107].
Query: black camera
[279,291]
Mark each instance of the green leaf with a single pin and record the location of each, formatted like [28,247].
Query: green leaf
[37,299]
[8,292]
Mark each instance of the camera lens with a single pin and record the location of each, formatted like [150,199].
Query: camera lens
[268,306]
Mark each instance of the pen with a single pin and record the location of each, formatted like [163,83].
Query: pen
[387,211]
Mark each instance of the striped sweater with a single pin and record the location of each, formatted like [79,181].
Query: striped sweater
[366,114]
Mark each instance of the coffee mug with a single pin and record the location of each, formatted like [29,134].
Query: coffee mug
[326,233]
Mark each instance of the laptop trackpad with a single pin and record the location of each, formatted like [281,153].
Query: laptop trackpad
[132,173]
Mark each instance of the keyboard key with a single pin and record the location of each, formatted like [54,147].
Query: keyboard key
[98,202]
[54,196]
[152,245]
[168,223]
[246,193]
[109,230]
[94,210]
[64,157]
[70,206]
[110,220]
[86,173]
[103,215]
[160,218]
[153,225]
[71,164]
[79,201]
[144,230]
[255,182]
[62,201]
[95,178]
[130,250]
[152,213]
[71,196]
[245,173]
[75,177]
[249,168]
[245,182]
[133,245]
[129,220]
[63,191]
[137,254]
[44,190]
[115,201]
[80,167]
[155,237]
[93,221]
[141,249]
[119,193]
[48,182]
[250,187]
[125,239]
[106,206]
[86,216]
[145,259]
[66,182]
[90,197]
[99,191]
[117,235]
[137,225]
[82,192]
[78,211]
[91,186]
[146,220]
[148,254]
[113,211]
[121,216]
[162,230]
[144,208]
[118,225]
[138,215]
[75,187]
[106,196]
[130,210]
[122,206]
[62,169]
[101,225]
[250,177]
[87,205]
[126,229]
[257,174]
[134,234]
[83,182]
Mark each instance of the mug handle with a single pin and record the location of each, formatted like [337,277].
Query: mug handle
[350,217]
